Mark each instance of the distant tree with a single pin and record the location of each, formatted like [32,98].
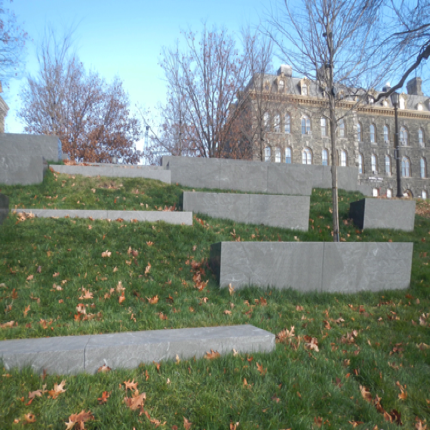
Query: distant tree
[91,117]
[12,41]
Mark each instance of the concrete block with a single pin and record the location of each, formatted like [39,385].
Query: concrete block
[288,179]
[272,210]
[313,266]
[268,264]
[383,213]
[115,172]
[243,176]
[4,207]
[180,218]
[74,354]
[128,350]
[371,266]
[21,169]
[55,354]
[48,147]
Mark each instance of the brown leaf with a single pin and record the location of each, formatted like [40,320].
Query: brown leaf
[365,393]
[212,355]
[30,418]
[79,419]
[27,308]
[299,308]
[30,277]
[130,385]
[285,335]
[261,369]
[135,402]
[106,254]
[148,268]
[152,300]
[230,289]
[121,298]
[57,390]
[104,397]
[104,369]
[187,424]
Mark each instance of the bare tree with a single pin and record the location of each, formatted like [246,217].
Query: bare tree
[12,41]
[327,41]
[91,117]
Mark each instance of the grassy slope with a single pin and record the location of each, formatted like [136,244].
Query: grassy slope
[200,390]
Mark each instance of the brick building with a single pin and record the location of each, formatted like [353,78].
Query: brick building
[290,112]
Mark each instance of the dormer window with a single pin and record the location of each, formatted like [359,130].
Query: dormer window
[370,100]
[281,86]
[385,103]
[402,103]
[304,90]
[419,106]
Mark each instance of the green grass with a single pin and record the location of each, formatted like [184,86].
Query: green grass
[211,394]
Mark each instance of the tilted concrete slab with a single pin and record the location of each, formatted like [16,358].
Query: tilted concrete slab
[115,171]
[383,213]
[313,266]
[170,217]
[21,169]
[273,210]
[4,207]
[75,354]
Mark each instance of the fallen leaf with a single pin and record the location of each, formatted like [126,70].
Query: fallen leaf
[30,418]
[152,300]
[104,397]
[57,390]
[104,369]
[27,308]
[261,369]
[30,277]
[230,289]
[299,308]
[187,424]
[106,254]
[211,355]
[121,298]
[148,268]
[79,419]
[130,385]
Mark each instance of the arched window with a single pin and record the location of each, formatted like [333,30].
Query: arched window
[277,155]
[323,127]
[287,127]
[359,136]
[306,125]
[387,165]
[324,157]
[266,121]
[406,167]
[424,194]
[403,136]
[360,163]
[402,103]
[307,156]
[375,192]
[389,193]
[423,167]
[372,133]
[373,163]
[288,156]
[343,158]
[419,106]
[267,153]
[420,137]
[281,86]
[342,128]
[386,134]
[304,90]
[277,123]
[408,194]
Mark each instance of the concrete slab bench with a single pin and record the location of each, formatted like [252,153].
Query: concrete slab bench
[4,207]
[273,210]
[169,217]
[115,171]
[313,266]
[383,213]
[75,354]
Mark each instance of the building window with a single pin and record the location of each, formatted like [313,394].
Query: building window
[402,103]
[288,155]
[373,163]
[323,127]
[406,167]
[375,192]
[424,194]
[343,158]
[324,157]
[281,86]
[372,133]
[287,126]
[360,164]
[304,90]
[403,136]
[342,128]
[387,165]
[277,123]
[266,121]
[371,100]
[307,156]
[423,167]
[389,193]
[306,125]
[267,153]
[359,132]
[420,106]
[386,134]
[420,137]
[277,155]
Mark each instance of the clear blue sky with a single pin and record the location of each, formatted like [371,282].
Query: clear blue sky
[123,38]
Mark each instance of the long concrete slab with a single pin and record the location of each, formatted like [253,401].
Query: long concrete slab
[115,171]
[313,266]
[170,217]
[4,207]
[22,169]
[75,354]
[273,210]
[383,213]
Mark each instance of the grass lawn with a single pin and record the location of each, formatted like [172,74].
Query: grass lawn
[57,279]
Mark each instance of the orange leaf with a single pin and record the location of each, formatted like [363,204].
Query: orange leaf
[130,385]
[30,418]
[104,397]
[57,390]
[121,298]
[187,424]
[152,300]
[211,355]
[104,369]
[261,370]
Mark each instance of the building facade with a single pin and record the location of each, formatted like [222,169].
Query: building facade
[292,119]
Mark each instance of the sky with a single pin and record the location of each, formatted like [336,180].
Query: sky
[122,38]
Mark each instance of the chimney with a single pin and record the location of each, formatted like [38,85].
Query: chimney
[414,87]
[285,70]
